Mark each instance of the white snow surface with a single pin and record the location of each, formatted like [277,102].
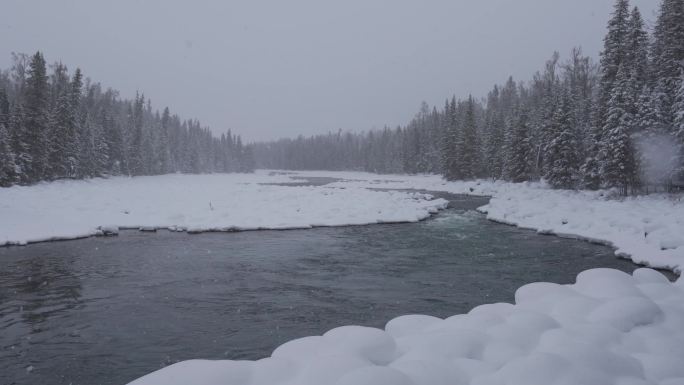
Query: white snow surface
[649,229]
[195,203]
[609,328]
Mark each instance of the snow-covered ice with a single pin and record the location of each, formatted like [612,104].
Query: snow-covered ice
[195,203]
[609,328]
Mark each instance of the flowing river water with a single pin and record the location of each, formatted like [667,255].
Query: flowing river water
[108,310]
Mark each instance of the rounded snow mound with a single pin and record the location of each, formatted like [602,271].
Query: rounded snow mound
[607,328]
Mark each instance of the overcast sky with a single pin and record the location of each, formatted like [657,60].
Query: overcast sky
[269,69]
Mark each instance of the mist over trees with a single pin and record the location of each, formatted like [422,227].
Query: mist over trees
[576,124]
[56,125]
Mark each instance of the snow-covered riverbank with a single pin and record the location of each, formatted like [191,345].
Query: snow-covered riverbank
[607,328]
[218,202]
[649,229]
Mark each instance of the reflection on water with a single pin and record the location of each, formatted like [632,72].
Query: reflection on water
[108,310]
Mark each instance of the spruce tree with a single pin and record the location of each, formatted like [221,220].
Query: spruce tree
[4,107]
[63,150]
[135,128]
[636,54]
[667,56]
[36,119]
[20,149]
[613,54]
[615,47]
[679,129]
[562,153]
[468,145]
[163,144]
[619,166]
[450,142]
[519,151]
[493,138]
[7,167]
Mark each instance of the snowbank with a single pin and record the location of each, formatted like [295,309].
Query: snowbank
[649,229]
[609,328]
[194,203]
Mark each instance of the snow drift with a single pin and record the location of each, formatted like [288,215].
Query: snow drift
[195,203]
[607,328]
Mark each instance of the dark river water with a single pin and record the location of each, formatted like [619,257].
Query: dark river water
[108,310]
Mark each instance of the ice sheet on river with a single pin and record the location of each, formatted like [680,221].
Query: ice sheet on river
[609,328]
[218,202]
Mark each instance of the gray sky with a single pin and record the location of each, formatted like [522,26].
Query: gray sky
[270,69]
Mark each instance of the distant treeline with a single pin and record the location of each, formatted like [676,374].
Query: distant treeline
[60,126]
[576,124]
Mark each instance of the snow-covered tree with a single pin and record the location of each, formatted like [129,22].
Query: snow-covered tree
[450,147]
[519,165]
[667,57]
[7,166]
[619,166]
[468,145]
[563,160]
[36,119]
[679,127]
[495,140]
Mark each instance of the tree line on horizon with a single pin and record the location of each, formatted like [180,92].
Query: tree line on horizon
[56,125]
[618,123]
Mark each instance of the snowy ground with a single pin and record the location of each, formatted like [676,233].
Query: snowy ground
[609,328]
[219,202]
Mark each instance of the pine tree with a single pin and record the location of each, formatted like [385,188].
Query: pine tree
[4,107]
[545,110]
[615,49]
[667,56]
[163,144]
[63,152]
[679,128]
[519,151]
[636,55]
[494,139]
[562,153]
[20,149]
[468,146]
[135,147]
[7,167]
[619,164]
[612,56]
[36,119]
[100,150]
[450,142]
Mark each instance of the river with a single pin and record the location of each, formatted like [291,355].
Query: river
[108,310]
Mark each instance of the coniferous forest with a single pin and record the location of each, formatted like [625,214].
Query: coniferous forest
[577,124]
[56,125]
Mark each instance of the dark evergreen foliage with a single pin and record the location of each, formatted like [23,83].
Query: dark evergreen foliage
[59,126]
